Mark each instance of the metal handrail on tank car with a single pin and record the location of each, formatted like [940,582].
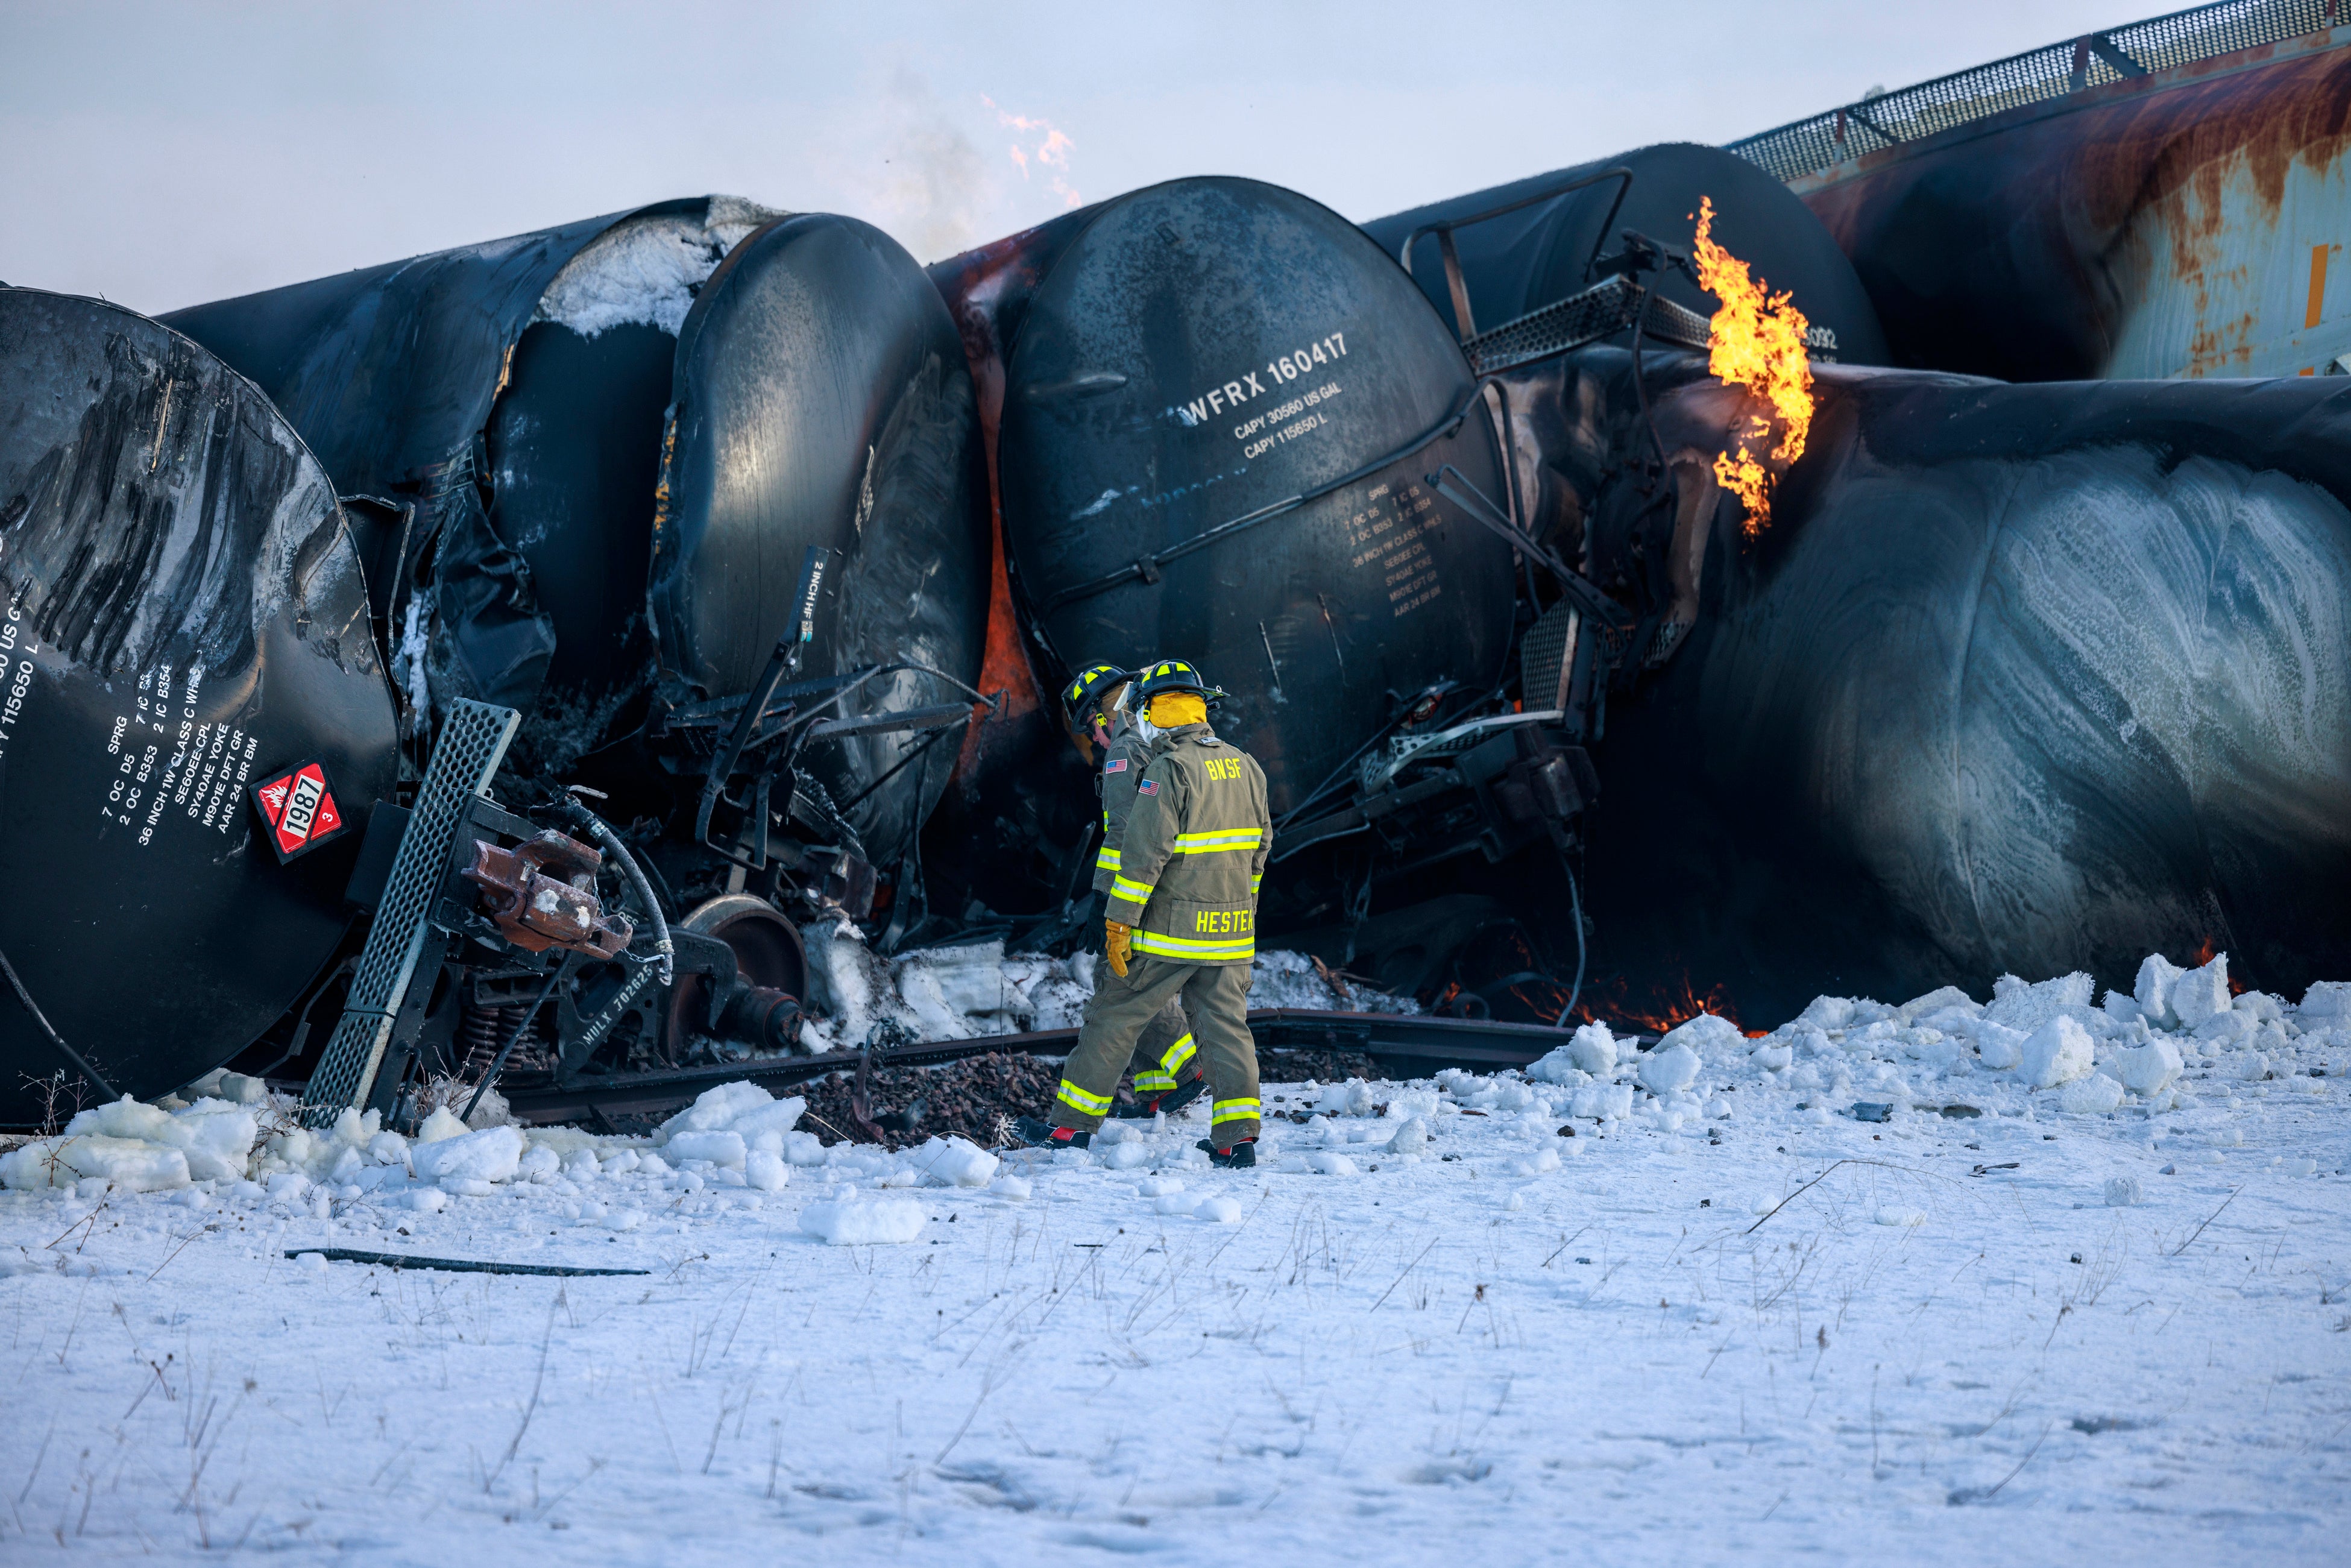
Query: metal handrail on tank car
[1464,326]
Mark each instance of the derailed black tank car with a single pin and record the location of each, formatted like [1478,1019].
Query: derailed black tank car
[696,490]
[183,621]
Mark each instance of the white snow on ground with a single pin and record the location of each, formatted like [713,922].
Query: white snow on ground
[645,270]
[1725,1318]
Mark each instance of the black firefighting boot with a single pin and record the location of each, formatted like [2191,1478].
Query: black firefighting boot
[1174,1100]
[1040,1135]
[1241,1157]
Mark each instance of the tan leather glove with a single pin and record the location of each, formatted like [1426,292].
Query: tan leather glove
[1118,946]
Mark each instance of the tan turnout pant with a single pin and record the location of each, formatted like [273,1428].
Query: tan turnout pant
[1216,1001]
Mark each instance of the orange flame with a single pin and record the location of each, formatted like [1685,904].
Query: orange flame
[1756,342]
[1663,1008]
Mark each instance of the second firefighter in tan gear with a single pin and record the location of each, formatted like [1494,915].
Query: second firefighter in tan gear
[1182,913]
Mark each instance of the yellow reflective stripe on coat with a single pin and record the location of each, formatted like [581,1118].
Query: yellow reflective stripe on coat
[1235,1110]
[1132,891]
[1107,860]
[1218,842]
[1229,951]
[1174,1057]
[1077,1099]
[1255,881]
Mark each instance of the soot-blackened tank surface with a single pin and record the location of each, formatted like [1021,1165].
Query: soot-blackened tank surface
[1205,349]
[1528,258]
[183,616]
[822,399]
[2018,679]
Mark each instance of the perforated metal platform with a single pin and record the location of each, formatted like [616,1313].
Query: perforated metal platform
[473,742]
[1601,311]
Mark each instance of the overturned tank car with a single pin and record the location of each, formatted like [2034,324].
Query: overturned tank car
[2017,678]
[193,716]
[692,492]
[1227,425]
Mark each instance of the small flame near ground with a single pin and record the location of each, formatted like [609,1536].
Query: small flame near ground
[1756,342]
[1043,144]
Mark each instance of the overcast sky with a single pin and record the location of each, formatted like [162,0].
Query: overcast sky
[166,154]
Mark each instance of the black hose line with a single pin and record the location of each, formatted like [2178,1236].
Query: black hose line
[602,830]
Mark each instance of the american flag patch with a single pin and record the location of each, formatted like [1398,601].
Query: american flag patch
[1117,765]
[1148,787]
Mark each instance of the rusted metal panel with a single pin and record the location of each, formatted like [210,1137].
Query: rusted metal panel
[2188,222]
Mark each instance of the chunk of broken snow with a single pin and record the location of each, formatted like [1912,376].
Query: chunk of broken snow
[716,1108]
[848,1223]
[954,1162]
[1601,1103]
[1125,1156]
[2200,994]
[2153,990]
[720,1148]
[1670,1068]
[1706,1035]
[1999,1047]
[2147,1069]
[2092,1096]
[2326,1000]
[1590,1050]
[2122,1191]
[1323,1162]
[444,1124]
[2058,1052]
[766,1171]
[1901,1217]
[2019,1005]
[490,1154]
[1219,1210]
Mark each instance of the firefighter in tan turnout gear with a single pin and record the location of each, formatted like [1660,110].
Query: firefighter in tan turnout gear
[1181,918]
[1167,1075]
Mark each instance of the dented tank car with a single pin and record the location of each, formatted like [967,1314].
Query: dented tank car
[193,717]
[694,489]
[2022,679]
[1227,425]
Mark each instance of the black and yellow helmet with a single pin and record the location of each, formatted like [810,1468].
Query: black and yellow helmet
[1081,693]
[1170,675]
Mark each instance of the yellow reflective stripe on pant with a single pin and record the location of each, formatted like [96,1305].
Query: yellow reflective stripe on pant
[1077,1099]
[1177,1055]
[1134,891]
[1235,1110]
[1107,860]
[1191,950]
[1218,841]
[1154,1083]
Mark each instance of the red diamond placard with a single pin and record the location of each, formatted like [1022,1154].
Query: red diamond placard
[299,808]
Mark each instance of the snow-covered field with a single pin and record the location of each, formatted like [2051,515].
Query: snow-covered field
[1725,1319]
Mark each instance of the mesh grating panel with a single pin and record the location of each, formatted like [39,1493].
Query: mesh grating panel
[473,742]
[1543,652]
[1601,311]
[2183,37]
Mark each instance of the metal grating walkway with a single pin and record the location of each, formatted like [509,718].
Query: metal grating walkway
[1913,113]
